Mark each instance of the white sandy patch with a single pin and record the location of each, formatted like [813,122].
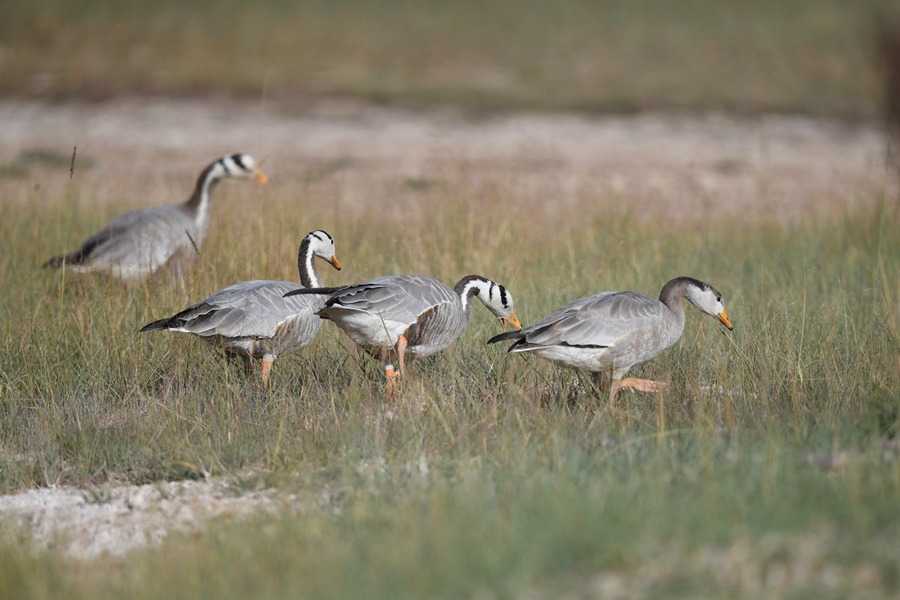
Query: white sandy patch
[86,524]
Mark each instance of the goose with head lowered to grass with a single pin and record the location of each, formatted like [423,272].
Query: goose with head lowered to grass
[410,316]
[254,319]
[136,244]
[614,331]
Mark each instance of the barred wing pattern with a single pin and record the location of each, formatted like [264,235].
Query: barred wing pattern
[376,313]
[248,309]
[597,321]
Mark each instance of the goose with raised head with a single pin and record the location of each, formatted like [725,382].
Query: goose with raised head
[136,244]
[410,316]
[610,332]
[254,319]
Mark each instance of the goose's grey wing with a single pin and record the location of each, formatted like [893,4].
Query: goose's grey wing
[247,309]
[595,321]
[399,298]
[140,239]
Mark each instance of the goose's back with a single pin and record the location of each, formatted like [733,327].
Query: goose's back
[243,314]
[139,242]
[377,312]
[607,330]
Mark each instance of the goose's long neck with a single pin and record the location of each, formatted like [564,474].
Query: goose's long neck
[309,276]
[198,204]
[467,289]
[672,295]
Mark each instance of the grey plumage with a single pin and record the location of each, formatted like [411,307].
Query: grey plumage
[410,315]
[613,331]
[136,244]
[254,319]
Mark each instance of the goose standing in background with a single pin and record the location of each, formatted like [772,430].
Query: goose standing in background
[137,243]
[253,319]
[613,331]
[409,316]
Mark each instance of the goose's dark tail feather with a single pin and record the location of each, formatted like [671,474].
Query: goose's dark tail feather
[319,291]
[518,334]
[160,324]
[82,254]
[74,258]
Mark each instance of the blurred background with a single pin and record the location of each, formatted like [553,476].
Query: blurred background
[826,57]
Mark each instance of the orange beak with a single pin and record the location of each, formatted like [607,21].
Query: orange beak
[723,317]
[335,262]
[512,319]
[261,177]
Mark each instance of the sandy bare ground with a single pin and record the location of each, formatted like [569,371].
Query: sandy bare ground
[114,519]
[683,167]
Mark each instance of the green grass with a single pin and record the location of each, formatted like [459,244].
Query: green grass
[598,56]
[495,475]
[770,468]
[689,515]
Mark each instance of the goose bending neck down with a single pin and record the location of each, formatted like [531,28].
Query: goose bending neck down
[409,316]
[610,332]
[253,319]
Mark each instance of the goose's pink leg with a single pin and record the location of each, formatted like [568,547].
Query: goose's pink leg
[647,386]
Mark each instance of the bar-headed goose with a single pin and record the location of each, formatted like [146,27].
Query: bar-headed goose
[253,319]
[410,316]
[613,331]
[137,243]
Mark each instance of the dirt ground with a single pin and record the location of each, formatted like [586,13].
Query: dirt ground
[114,519]
[683,167]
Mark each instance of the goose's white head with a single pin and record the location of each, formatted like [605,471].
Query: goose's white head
[316,243]
[706,298]
[494,296]
[322,245]
[240,166]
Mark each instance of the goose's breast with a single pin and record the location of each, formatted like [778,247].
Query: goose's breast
[143,241]
[588,359]
[437,328]
[295,333]
[644,341]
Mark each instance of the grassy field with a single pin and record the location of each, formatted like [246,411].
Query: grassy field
[596,56]
[769,469]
